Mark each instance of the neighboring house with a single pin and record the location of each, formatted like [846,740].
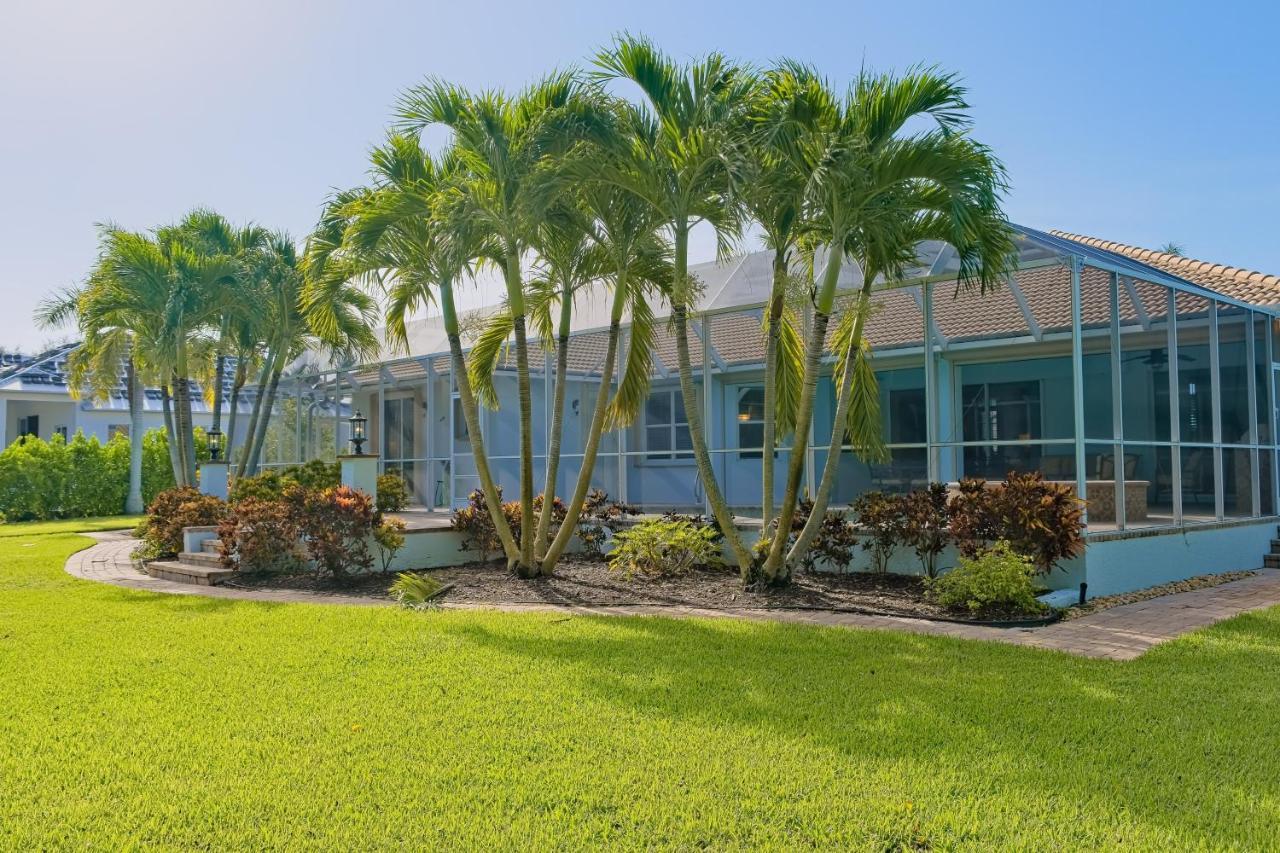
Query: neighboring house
[35,400]
[1072,368]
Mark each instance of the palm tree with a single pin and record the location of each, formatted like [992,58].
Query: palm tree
[687,160]
[502,141]
[348,331]
[239,325]
[637,263]
[408,233]
[870,180]
[567,263]
[791,98]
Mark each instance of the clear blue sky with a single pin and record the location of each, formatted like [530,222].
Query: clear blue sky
[1143,123]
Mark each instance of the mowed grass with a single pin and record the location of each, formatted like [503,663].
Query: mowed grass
[136,720]
[69,525]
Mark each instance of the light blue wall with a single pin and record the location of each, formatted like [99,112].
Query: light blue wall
[1119,565]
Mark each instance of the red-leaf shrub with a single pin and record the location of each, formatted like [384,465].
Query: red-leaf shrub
[337,525]
[925,525]
[261,536]
[476,526]
[1040,520]
[880,520]
[171,511]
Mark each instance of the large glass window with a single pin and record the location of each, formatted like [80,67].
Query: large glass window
[750,422]
[666,426]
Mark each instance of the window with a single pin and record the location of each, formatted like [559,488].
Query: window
[907,416]
[751,422]
[666,426]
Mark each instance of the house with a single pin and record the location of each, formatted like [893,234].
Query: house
[1144,380]
[35,400]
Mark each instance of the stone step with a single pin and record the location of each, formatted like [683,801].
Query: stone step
[211,546]
[200,558]
[1271,561]
[187,573]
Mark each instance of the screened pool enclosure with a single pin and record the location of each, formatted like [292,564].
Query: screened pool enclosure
[1153,395]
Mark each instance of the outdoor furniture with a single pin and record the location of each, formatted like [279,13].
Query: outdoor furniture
[1100,496]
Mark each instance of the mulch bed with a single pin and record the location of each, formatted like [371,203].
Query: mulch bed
[586,582]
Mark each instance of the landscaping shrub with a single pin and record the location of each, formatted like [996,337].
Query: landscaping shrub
[390,538]
[600,518]
[1039,519]
[157,470]
[261,536]
[265,486]
[315,474]
[997,582]
[478,532]
[393,492]
[170,512]
[698,519]
[925,525]
[880,520]
[414,591]
[41,480]
[337,525]
[661,548]
[833,545]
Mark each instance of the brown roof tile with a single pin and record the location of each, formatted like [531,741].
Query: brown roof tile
[1246,285]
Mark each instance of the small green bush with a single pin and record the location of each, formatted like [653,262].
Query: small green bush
[316,474]
[390,538]
[393,492]
[266,486]
[997,582]
[661,548]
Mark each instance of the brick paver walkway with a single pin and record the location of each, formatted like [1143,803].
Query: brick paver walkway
[1120,633]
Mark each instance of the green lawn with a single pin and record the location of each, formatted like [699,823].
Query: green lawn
[69,525]
[129,719]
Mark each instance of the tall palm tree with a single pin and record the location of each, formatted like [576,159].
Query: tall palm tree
[687,160]
[209,232]
[567,262]
[637,264]
[502,141]
[791,98]
[869,179]
[410,234]
[348,331]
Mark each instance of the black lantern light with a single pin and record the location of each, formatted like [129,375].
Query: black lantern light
[215,444]
[358,437]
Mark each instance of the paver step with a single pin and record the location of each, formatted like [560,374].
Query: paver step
[1271,561]
[186,573]
[200,558]
[214,546]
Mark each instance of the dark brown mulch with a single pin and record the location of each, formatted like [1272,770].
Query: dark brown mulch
[587,582]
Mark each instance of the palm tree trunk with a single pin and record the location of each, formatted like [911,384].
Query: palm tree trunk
[777,300]
[702,458]
[237,384]
[242,467]
[187,425]
[574,506]
[471,415]
[171,434]
[515,297]
[264,421]
[774,569]
[557,428]
[823,496]
[133,503]
[219,367]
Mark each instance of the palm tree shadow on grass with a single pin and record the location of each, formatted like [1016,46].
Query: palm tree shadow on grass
[1066,730]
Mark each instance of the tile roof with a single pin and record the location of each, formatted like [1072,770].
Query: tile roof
[1246,285]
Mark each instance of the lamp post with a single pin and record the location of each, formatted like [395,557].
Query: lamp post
[358,436]
[215,444]
[213,474]
[360,470]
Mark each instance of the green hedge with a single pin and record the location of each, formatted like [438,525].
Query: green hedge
[80,478]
